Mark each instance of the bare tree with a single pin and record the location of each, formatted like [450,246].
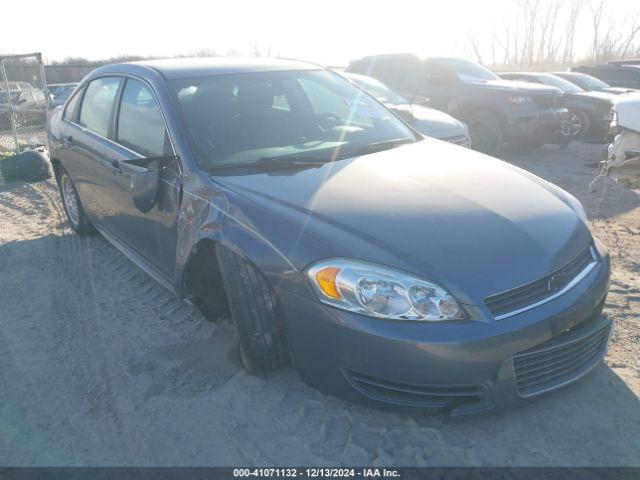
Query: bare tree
[541,34]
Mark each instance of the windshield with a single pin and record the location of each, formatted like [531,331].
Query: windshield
[589,82]
[465,70]
[561,83]
[243,118]
[378,89]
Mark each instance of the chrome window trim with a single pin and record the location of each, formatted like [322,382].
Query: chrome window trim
[577,279]
[155,97]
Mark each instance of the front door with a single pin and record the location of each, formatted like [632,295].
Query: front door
[139,133]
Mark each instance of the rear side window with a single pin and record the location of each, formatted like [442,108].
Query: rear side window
[97,104]
[72,106]
[140,123]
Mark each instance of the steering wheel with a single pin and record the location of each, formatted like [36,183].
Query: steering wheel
[326,120]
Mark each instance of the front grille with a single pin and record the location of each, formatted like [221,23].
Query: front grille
[545,102]
[558,361]
[532,294]
[416,395]
[459,140]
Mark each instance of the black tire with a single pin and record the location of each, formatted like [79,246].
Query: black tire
[579,124]
[78,220]
[254,311]
[486,132]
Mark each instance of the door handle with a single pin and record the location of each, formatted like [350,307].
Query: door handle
[115,167]
[67,139]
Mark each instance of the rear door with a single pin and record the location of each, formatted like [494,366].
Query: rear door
[139,132]
[85,137]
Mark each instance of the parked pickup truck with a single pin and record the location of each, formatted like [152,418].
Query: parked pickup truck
[496,111]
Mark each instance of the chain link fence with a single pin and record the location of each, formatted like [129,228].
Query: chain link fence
[28,90]
[24,102]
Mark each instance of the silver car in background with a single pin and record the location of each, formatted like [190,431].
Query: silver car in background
[428,121]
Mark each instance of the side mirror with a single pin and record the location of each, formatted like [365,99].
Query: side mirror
[145,181]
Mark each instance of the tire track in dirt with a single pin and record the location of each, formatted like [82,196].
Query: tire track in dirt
[100,365]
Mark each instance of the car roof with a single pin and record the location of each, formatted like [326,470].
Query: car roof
[521,74]
[175,68]
[613,66]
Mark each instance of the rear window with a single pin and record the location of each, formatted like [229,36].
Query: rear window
[98,103]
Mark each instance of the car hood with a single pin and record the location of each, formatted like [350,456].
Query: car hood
[470,222]
[604,97]
[429,121]
[618,90]
[628,111]
[515,86]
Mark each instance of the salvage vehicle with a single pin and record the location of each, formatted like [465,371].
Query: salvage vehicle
[589,112]
[385,266]
[428,121]
[25,102]
[625,76]
[591,84]
[496,111]
[623,154]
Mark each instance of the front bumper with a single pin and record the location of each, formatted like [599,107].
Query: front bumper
[461,367]
[545,126]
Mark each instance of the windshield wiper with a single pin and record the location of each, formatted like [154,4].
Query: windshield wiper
[382,145]
[303,160]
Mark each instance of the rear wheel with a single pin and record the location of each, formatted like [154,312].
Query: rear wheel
[254,311]
[486,132]
[75,213]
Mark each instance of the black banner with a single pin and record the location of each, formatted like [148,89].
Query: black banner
[307,473]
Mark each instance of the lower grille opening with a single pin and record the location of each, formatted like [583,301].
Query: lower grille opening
[556,363]
[416,395]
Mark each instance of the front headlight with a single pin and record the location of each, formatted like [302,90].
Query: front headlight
[519,99]
[380,292]
[614,119]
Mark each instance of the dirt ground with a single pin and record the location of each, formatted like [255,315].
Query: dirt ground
[99,365]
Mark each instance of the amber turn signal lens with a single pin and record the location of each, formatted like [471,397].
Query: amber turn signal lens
[327,280]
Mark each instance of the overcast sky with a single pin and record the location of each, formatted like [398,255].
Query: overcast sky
[325,31]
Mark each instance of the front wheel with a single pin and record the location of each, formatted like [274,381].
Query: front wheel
[254,311]
[579,124]
[486,132]
[75,213]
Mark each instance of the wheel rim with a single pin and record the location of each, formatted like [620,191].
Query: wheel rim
[70,200]
[575,124]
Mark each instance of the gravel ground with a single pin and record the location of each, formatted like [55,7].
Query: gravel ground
[101,366]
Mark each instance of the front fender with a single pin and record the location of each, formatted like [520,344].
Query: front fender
[215,219]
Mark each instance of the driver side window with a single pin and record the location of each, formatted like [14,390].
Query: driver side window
[140,122]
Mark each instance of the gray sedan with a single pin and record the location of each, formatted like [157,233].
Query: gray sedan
[429,121]
[334,234]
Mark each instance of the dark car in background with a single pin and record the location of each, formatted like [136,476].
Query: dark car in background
[60,92]
[386,266]
[496,111]
[628,61]
[590,83]
[625,76]
[428,121]
[589,112]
